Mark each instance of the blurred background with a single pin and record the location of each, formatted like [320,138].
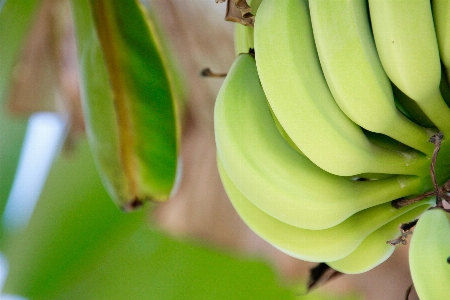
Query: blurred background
[63,238]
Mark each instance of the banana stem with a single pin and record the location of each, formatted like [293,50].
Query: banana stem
[408,291]
[405,230]
[206,72]
[440,192]
[436,140]
[402,202]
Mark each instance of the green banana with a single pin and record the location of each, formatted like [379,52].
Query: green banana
[292,79]
[315,245]
[441,15]
[128,105]
[408,49]
[374,250]
[429,255]
[354,73]
[276,178]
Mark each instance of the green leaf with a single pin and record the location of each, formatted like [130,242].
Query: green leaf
[128,103]
[79,246]
[16,17]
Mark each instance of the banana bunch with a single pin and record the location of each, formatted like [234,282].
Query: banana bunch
[330,120]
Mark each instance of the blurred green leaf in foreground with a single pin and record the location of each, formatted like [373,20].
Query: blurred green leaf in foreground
[79,246]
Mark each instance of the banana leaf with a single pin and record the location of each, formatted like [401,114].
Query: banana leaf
[128,100]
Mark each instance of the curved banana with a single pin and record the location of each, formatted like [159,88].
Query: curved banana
[408,49]
[441,15]
[314,245]
[354,73]
[429,255]
[266,168]
[292,79]
[374,250]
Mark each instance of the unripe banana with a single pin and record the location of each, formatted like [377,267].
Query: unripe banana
[408,49]
[354,73]
[265,167]
[325,245]
[128,105]
[374,250]
[429,255]
[292,79]
[441,15]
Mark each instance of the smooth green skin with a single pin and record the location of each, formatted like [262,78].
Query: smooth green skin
[428,254]
[276,178]
[134,135]
[408,49]
[441,15]
[16,16]
[291,76]
[313,245]
[354,73]
[243,40]
[374,250]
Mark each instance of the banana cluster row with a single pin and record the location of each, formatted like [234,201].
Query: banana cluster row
[330,120]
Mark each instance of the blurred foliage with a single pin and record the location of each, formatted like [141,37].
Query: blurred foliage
[18,14]
[78,245]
